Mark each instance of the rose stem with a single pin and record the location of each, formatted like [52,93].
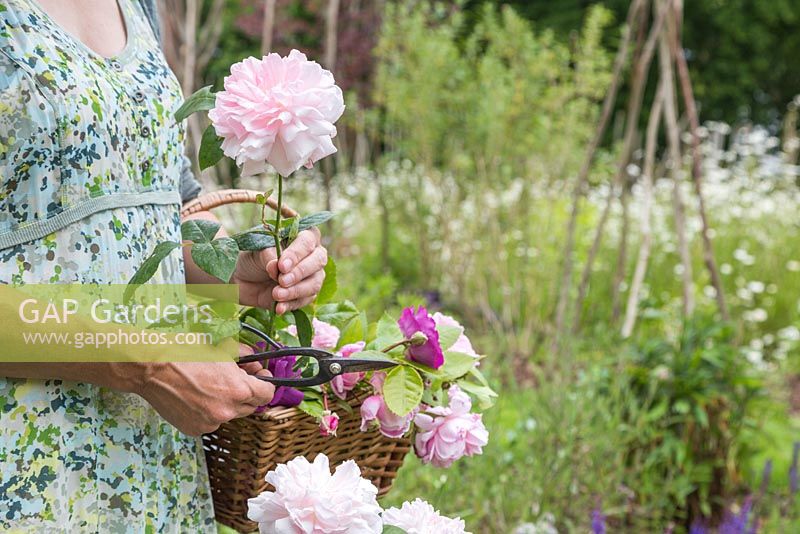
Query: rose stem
[278,217]
[277,234]
[395,345]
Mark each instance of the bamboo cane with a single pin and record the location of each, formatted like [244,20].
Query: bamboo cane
[638,83]
[583,175]
[648,179]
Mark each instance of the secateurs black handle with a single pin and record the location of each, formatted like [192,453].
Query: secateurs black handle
[329,365]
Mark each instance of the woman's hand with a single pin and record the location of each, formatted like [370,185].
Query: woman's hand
[197,398]
[291,283]
[194,397]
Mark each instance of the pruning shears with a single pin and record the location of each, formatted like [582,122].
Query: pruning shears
[329,365]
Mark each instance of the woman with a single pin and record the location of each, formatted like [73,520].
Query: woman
[93,175]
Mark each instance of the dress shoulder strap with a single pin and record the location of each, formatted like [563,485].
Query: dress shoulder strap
[151,12]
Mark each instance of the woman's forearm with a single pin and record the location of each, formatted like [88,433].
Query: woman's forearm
[127,377]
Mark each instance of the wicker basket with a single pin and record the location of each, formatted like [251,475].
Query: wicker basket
[240,453]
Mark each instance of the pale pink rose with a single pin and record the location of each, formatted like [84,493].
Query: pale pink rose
[392,426]
[419,517]
[277,110]
[374,409]
[346,382]
[328,423]
[326,336]
[462,344]
[309,500]
[446,434]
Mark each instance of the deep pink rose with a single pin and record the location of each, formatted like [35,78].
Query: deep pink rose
[374,409]
[281,368]
[430,352]
[328,423]
[284,368]
[277,110]
[346,382]
[447,434]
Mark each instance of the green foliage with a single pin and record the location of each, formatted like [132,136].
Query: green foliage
[217,258]
[202,100]
[740,52]
[482,127]
[330,285]
[338,314]
[402,389]
[456,365]
[471,114]
[149,267]
[550,453]
[199,230]
[315,219]
[505,83]
[697,392]
[210,148]
[305,332]
[448,335]
[600,432]
[254,240]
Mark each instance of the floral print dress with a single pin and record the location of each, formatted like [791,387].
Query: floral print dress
[90,157]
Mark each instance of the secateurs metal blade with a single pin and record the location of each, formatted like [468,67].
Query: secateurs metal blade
[329,365]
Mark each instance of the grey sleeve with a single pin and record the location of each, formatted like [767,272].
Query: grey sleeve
[151,12]
[189,186]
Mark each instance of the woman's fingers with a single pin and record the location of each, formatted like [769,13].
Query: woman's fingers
[305,291]
[305,243]
[262,391]
[285,307]
[268,388]
[251,368]
[272,270]
[309,266]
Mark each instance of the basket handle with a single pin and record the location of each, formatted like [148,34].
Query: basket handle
[215,199]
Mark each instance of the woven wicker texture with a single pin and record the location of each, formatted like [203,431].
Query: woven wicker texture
[216,199]
[241,452]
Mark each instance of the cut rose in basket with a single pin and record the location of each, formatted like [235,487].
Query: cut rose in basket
[428,350]
[445,434]
[419,517]
[308,499]
[375,412]
[343,384]
[412,398]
